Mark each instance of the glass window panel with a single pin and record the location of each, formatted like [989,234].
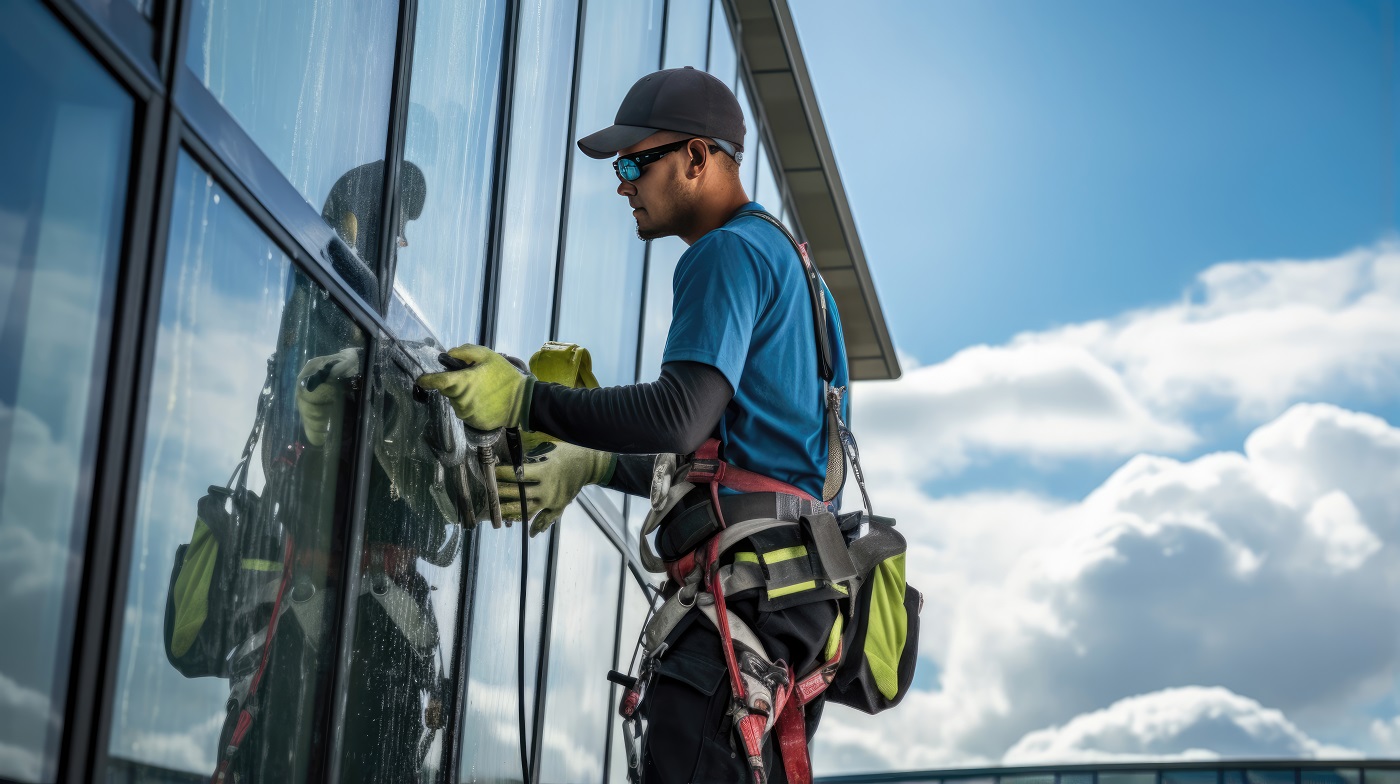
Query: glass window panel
[634,614]
[451,146]
[1331,776]
[767,193]
[750,140]
[1269,776]
[687,33]
[490,725]
[64,151]
[1132,777]
[1374,776]
[246,344]
[581,651]
[1076,778]
[539,149]
[309,81]
[1190,776]
[603,257]
[1047,778]
[421,505]
[724,62]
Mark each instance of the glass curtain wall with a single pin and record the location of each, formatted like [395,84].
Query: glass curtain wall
[309,81]
[449,158]
[602,255]
[540,145]
[300,602]
[244,499]
[65,152]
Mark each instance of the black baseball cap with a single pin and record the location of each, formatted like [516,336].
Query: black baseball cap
[677,99]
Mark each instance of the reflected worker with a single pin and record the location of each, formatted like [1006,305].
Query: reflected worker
[740,373]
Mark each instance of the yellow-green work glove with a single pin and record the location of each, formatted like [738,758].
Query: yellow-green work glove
[319,404]
[487,394]
[555,472]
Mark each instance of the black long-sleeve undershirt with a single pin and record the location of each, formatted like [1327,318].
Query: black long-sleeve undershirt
[675,413]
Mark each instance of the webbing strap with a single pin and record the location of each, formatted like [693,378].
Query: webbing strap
[709,468]
[836,431]
[792,742]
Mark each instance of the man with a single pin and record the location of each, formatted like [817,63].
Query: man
[740,365]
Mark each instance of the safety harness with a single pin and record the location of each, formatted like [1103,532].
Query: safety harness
[699,528]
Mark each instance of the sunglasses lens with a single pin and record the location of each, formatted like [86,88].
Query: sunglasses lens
[628,169]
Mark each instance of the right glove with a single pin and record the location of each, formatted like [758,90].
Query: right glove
[555,473]
[319,392]
[488,393]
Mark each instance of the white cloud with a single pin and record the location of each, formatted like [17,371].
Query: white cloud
[1227,570]
[1256,336]
[17,700]
[1186,723]
[1051,401]
[20,763]
[191,749]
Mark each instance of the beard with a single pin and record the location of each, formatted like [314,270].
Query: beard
[674,213]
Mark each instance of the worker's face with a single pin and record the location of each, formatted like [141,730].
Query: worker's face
[663,199]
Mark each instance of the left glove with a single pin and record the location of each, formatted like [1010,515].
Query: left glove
[489,393]
[319,391]
[555,473]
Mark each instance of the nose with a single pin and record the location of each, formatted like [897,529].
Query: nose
[625,188]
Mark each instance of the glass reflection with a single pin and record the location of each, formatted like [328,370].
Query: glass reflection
[724,62]
[603,257]
[539,149]
[452,140]
[687,33]
[767,191]
[231,596]
[490,726]
[425,490]
[746,171]
[634,614]
[308,80]
[64,157]
[581,651]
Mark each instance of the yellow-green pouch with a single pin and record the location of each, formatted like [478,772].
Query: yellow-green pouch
[881,643]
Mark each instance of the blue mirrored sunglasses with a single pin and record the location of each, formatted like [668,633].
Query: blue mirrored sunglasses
[629,167]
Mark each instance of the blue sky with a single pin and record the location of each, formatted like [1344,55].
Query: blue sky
[1015,165]
[1141,258]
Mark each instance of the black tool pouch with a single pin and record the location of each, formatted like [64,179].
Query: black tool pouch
[215,580]
[881,638]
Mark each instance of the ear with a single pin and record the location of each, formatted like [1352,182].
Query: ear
[699,153]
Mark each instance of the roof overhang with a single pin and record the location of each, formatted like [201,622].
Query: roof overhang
[782,88]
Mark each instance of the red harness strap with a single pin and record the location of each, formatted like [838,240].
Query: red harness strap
[245,716]
[791,727]
[707,468]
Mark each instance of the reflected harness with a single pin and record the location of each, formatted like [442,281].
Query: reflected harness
[767,695]
[384,564]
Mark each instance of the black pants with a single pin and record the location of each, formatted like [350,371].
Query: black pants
[690,735]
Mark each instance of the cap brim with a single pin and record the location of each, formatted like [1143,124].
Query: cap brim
[606,143]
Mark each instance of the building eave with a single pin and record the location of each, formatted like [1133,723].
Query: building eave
[804,160]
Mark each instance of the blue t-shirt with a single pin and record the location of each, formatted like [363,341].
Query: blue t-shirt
[741,306]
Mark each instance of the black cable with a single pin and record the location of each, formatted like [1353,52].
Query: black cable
[520,648]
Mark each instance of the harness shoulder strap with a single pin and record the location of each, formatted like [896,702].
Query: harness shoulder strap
[836,431]
[815,290]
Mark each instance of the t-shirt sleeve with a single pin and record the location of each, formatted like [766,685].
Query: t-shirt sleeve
[719,292]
